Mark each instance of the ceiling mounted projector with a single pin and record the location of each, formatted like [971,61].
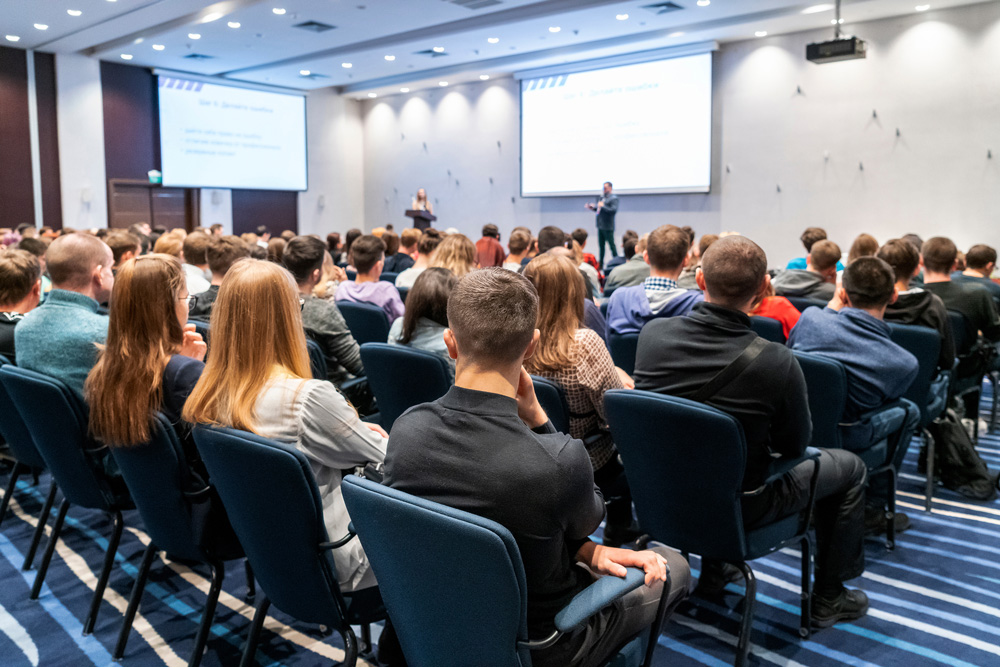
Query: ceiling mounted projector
[840,48]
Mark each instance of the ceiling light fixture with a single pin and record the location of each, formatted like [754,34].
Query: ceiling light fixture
[760,33]
[138,40]
[280,11]
[704,3]
[836,21]
[214,16]
[438,49]
[404,90]
[493,40]
[304,72]
[484,77]
[74,12]
[390,58]
[158,47]
[346,65]
[373,95]
[621,17]
[193,35]
[922,8]
[816,9]
[554,28]
[12,38]
[41,26]
[233,24]
[442,83]
[126,56]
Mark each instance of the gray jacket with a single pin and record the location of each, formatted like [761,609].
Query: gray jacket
[632,272]
[803,283]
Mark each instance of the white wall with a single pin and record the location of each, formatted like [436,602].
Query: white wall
[80,112]
[215,207]
[933,75]
[335,198]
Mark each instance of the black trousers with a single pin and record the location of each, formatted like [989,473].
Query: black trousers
[605,236]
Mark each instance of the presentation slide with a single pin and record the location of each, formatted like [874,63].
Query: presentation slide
[215,136]
[647,128]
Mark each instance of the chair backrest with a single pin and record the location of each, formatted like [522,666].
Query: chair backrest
[452,582]
[623,347]
[768,328]
[14,431]
[403,291]
[317,360]
[925,344]
[552,398]
[684,462]
[368,323]
[389,276]
[57,422]
[270,495]
[802,302]
[962,330]
[155,474]
[826,381]
[351,275]
[401,377]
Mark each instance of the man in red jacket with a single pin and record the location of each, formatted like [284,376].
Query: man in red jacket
[489,252]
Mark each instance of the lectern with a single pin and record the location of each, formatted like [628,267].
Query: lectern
[421,219]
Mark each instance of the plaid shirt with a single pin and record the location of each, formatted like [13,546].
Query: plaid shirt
[659,284]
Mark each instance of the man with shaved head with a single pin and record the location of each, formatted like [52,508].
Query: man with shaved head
[60,337]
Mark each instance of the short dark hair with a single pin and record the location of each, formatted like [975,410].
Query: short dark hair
[901,256]
[869,282]
[491,230]
[350,237]
[36,247]
[691,235]
[811,236]
[550,237]
[121,241]
[302,256]
[705,242]
[332,241]
[628,246]
[19,271]
[579,235]
[667,247]
[824,255]
[195,247]
[519,241]
[734,268]
[914,240]
[979,256]
[429,241]
[224,251]
[367,251]
[492,313]
[261,230]
[608,183]
[391,242]
[939,254]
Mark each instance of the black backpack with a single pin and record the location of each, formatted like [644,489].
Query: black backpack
[957,462]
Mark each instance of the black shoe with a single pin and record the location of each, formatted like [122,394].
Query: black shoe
[848,605]
[712,582]
[876,524]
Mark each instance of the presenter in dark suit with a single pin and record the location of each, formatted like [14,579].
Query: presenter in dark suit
[606,207]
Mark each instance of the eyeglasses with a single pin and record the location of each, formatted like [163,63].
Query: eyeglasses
[302,303]
[191,299]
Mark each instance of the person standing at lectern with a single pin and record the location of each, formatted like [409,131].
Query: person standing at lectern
[606,207]
[421,203]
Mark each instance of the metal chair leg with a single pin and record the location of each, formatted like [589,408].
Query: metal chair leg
[50,548]
[805,623]
[890,512]
[746,625]
[43,518]
[350,647]
[133,602]
[251,584]
[14,474]
[208,616]
[253,638]
[929,485]
[102,581]
[657,627]
[994,377]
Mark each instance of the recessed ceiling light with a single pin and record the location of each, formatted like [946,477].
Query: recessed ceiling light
[158,47]
[12,38]
[304,72]
[760,33]
[193,35]
[704,3]
[493,40]
[554,28]
[404,90]
[346,65]
[233,24]
[442,83]
[280,11]
[438,49]
[373,95]
[138,40]
[922,8]
[41,26]
[816,9]
[126,56]
[679,33]
[74,12]
[214,16]
[484,77]
[621,17]
[390,58]
[836,21]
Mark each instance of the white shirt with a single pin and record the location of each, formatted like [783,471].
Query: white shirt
[196,282]
[408,277]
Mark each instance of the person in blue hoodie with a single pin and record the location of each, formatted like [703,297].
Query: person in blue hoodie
[851,330]
[658,295]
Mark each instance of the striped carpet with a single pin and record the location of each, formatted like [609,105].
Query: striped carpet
[935,600]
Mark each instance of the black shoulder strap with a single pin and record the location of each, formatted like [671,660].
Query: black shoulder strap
[730,372]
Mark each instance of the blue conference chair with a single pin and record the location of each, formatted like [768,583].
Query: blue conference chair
[274,507]
[457,593]
[389,277]
[768,328]
[180,518]
[963,383]
[200,327]
[552,398]
[801,302]
[368,323]
[403,291]
[876,437]
[623,348]
[687,486]
[27,459]
[57,422]
[929,391]
[351,275]
[401,377]
[317,360]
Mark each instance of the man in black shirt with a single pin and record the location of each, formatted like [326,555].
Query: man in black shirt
[972,300]
[487,447]
[679,355]
[20,290]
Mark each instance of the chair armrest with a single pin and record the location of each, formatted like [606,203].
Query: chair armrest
[324,546]
[596,597]
[353,382]
[779,467]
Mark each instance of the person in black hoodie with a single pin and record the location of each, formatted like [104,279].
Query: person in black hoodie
[916,305]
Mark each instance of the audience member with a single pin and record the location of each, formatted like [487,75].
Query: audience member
[488,447]
[577,359]
[631,272]
[777,308]
[20,292]
[817,280]
[687,278]
[333,246]
[403,259]
[810,237]
[268,390]
[366,286]
[865,245]
[680,355]
[658,296]
[489,252]
[969,298]
[276,249]
[518,244]
[38,248]
[979,264]
[304,257]
[580,236]
[250,239]
[618,260]
[222,253]
[392,254]
[915,305]
[331,278]
[352,235]
[263,236]
[430,239]
[196,270]
[169,244]
[589,273]
[60,337]
[422,326]
[457,254]
[125,245]
[216,230]
[592,316]
[288,235]
[548,237]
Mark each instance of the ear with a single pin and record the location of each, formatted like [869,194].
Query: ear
[699,279]
[645,256]
[36,289]
[842,296]
[895,295]
[687,258]
[765,285]
[451,343]
[315,275]
[532,345]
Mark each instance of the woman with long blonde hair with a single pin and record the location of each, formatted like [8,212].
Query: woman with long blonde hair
[258,379]
[576,358]
[457,254]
